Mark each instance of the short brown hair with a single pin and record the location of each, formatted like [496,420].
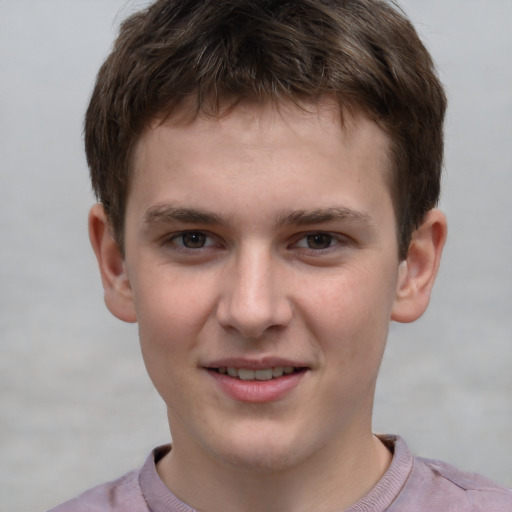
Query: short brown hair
[365,52]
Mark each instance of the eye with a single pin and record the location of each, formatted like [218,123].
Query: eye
[191,240]
[317,241]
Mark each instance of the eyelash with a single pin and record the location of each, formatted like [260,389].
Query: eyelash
[173,240]
[320,236]
[335,241]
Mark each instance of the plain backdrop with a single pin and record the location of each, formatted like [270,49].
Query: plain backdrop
[76,407]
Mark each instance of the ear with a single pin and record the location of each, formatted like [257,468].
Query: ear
[116,285]
[418,271]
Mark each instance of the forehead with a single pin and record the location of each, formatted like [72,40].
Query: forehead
[260,141]
[320,121]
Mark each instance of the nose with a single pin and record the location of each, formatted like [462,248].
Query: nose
[254,298]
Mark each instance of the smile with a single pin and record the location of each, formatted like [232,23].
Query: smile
[256,385]
[262,374]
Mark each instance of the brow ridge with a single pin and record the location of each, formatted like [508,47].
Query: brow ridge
[320,215]
[168,213]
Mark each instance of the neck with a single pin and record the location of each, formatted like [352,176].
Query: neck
[333,479]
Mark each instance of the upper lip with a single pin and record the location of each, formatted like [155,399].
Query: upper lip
[254,364]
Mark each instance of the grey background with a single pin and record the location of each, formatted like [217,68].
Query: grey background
[76,407]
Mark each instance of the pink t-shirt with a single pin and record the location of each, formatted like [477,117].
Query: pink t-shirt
[411,484]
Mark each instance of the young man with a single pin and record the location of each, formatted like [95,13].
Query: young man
[268,173]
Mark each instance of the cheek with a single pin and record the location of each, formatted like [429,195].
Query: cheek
[167,328]
[167,343]
[171,305]
[350,313]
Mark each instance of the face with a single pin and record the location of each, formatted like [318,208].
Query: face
[261,257]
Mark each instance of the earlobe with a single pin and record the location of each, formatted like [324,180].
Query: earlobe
[418,271]
[116,285]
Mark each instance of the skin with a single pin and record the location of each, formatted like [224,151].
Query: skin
[266,233]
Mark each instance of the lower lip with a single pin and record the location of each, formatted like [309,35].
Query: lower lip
[257,391]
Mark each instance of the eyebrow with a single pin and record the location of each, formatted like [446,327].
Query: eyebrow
[320,215]
[167,213]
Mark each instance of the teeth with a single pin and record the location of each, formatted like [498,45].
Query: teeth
[263,374]
[266,374]
[246,374]
[277,371]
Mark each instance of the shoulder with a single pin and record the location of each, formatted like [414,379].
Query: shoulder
[437,486]
[117,496]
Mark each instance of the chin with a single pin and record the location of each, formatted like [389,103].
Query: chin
[261,452]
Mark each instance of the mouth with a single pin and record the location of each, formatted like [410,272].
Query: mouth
[264,374]
[256,381]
